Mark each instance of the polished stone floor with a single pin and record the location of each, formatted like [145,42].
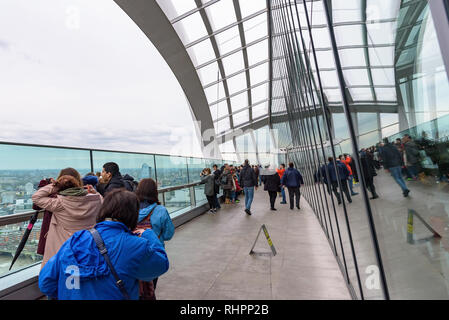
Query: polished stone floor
[209,256]
[417,270]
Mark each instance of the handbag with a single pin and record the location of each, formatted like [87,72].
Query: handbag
[104,252]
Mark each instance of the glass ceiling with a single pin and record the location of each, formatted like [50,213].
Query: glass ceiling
[227,41]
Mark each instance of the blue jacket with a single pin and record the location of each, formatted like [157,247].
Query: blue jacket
[292,178]
[343,171]
[79,272]
[160,220]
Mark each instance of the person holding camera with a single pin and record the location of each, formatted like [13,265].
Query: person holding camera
[209,188]
[74,208]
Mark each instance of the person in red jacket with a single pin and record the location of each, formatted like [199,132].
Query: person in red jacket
[346,159]
[281,172]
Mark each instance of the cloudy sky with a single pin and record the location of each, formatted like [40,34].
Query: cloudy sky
[81,73]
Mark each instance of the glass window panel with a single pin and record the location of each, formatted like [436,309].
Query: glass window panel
[257,52]
[382,9]
[263,139]
[356,77]
[325,60]
[227,147]
[214,93]
[222,125]
[195,167]
[369,139]
[358,94]
[200,197]
[177,202]
[237,83]
[239,101]
[219,110]
[233,63]
[340,126]
[366,122]
[346,10]
[221,14]
[171,171]
[241,117]
[190,28]
[255,28]
[245,144]
[209,73]
[386,94]
[321,38]
[329,78]
[249,7]
[201,52]
[259,73]
[260,110]
[333,95]
[387,119]
[259,93]
[381,56]
[316,13]
[380,33]
[228,40]
[384,76]
[176,8]
[138,166]
[389,131]
[352,57]
[348,35]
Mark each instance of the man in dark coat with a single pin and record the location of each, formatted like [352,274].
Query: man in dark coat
[112,179]
[292,179]
[343,174]
[248,181]
[217,174]
[272,184]
[392,159]
[367,171]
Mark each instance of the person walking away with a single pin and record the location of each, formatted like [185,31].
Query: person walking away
[281,172]
[226,183]
[217,174]
[74,208]
[79,271]
[346,159]
[412,156]
[111,179]
[155,216]
[392,160]
[257,172]
[343,174]
[293,180]
[272,184]
[367,171]
[248,181]
[209,188]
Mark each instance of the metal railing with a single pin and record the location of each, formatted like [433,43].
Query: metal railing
[25,216]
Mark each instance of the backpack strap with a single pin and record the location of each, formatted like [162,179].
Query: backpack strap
[104,252]
[148,219]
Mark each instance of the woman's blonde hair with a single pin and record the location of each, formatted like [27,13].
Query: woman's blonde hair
[207,170]
[66,182]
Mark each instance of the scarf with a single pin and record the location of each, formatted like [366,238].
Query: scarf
[74,192]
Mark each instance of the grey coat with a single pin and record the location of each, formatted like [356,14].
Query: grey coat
[209,187]
[411,152]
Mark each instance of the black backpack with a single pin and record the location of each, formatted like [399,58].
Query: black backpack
[224,180]
[129,183]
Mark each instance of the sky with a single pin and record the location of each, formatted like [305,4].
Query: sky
[80,73]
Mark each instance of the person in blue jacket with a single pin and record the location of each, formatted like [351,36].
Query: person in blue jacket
[155,216]
[343,174]
[79,271]
[292,179]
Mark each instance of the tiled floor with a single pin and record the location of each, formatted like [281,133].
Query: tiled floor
[209,256]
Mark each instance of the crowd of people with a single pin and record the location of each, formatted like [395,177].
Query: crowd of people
[102,237]
[246,179]
[402,158]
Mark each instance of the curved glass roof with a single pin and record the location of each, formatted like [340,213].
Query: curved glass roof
[227,41]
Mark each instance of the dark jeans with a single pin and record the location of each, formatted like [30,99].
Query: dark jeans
[273,195]
[211,200]
[292,192]
[217,202]
[345,190]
